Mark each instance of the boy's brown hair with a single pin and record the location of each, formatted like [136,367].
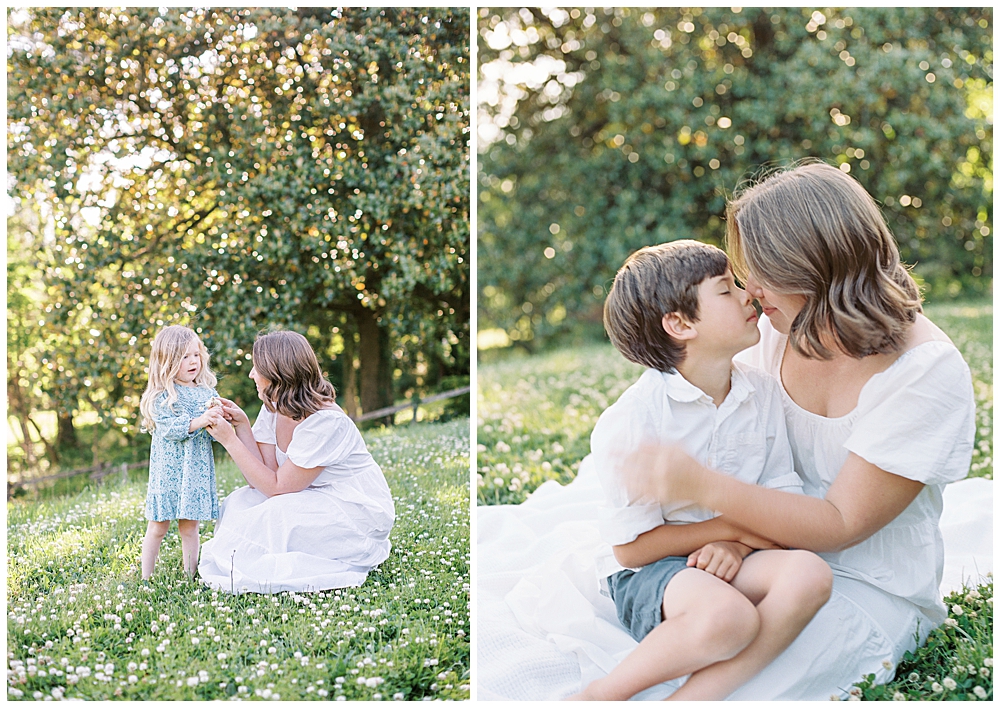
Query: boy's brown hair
[653,282]
[812,230]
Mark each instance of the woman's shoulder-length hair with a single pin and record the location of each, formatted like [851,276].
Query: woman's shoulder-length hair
[814,231]
[295,385]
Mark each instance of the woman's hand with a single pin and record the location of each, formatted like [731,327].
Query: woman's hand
[663,473]
[205,419]
[220,429]
[233,413]
[721,558]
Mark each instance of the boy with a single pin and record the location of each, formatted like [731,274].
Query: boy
[684,583]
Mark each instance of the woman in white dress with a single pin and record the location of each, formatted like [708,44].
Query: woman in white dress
[880,412]
[317,512]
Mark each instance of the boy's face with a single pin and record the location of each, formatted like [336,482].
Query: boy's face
[727,321]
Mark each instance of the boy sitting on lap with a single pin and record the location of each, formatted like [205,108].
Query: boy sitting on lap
[683,581]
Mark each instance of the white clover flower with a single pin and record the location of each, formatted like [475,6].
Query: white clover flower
[984,672]
[914,676]
[951,622]
[897,696]
[132,678]
[957,610]
[192,681]
[949,683]
[397,696]
[988,661]
[979,691]
[322,692]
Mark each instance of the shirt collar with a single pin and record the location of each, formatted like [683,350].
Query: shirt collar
[683,391]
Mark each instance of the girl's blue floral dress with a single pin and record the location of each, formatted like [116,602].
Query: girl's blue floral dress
[181,464]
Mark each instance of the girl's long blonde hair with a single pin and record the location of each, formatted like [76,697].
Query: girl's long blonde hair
[168,349]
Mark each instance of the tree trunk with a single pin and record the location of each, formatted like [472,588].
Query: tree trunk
[349,394]
[15,398]
[66,437]
[376,364]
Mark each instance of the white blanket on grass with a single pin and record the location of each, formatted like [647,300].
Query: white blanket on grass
[543,630]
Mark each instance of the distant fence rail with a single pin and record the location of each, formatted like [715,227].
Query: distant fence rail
[97,472]
[103,469]
[414,403]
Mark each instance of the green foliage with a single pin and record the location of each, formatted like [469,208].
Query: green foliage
[605,130]
[81,624]
[233,169]
[956,662]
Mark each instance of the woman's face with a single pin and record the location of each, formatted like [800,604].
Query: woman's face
[780,309]
[260,381]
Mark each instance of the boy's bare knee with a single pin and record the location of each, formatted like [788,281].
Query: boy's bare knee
[731,626]
[811,579]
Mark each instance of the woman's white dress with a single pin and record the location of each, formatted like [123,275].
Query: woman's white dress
[328,535]
[545,631]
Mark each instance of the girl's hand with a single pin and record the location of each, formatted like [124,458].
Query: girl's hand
[663,473]
[220,429]
[722,558]
[233,413]
[205,419]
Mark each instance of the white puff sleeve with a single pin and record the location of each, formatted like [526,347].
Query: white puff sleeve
[324,440]
[263,427]
[917,418]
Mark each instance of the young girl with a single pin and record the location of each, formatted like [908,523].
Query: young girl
[176,405]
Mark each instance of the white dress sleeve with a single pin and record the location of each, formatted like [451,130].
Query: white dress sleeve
[622,429]
[324,440]
[263,427]
[917,418]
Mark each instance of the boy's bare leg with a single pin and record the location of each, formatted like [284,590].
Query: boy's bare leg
[789,588]
[705,620]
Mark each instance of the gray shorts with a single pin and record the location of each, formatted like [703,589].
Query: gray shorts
[638,594]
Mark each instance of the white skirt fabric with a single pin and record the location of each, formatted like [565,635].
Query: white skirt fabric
[544,630]
[302,542]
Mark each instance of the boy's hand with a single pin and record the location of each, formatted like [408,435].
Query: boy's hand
[722,558]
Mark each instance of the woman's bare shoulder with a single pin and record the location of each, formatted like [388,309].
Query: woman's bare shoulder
[923,331]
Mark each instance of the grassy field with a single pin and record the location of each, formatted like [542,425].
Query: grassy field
[535,419]
[81,624]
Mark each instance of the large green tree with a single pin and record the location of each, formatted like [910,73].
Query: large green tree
[603,130]
[234,169]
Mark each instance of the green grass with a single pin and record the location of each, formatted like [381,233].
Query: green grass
[82,625]
[535,419]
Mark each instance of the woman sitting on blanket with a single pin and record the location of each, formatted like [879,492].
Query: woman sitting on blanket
[880,415]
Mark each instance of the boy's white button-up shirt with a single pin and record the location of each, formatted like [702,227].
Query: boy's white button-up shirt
[744,437]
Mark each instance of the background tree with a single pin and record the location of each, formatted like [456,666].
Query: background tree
[605,130]
[237,169]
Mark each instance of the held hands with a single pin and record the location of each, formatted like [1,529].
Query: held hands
[721,558]
[218,427]
[205,419]
[233,413]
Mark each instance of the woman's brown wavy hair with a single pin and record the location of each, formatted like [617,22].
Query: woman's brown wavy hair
[812,230]
[295,385]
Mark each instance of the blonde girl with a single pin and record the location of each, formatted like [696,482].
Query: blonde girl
[176,407]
